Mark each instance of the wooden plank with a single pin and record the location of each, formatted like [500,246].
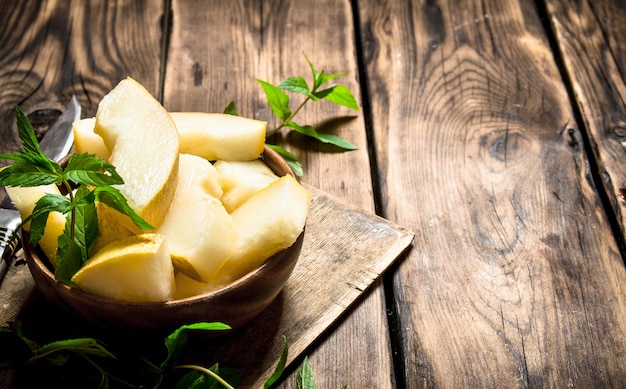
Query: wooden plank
[590,37]
[214,58]
[73,48]
[515,279]
[30,62]
[344,252]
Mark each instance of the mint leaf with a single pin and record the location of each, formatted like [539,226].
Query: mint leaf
[31,163]
[304,377]
[113,198]
[277,99]
[317,77]
[48,203]
[291,159]
[231,109]
[27,174]
[340,95]
[86,221]
[27,135]
[69,258]
[88,169]
[197,379]
[322,137]
[177,340]
[278,372]
[87,346]
[324,78]
[297,85]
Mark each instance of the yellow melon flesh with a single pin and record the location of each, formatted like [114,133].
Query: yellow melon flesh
[188,287]
[134,269]
[143,141]
[215,136]
[88,142]
[242,179]
[268,222]
[109,227]
[200,233]
[24,199]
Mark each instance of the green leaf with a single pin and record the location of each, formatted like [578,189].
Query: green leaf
[322,137]
[113,198]
[291,159]
[177,340]
[50,202]
[27,174]
[69,258]
[317,77]
[304,377]
[27,134]
[339,94]
[88,169]
[32,156]
[32,153]
[231,109]
[297,85]
[324,78]
[86,221]
[196,379]
[87,346]
[277,99]
[278,372]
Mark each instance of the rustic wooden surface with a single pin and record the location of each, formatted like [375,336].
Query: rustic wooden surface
[596,66]
[492,129]
[518,281]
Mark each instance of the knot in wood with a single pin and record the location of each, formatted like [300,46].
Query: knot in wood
[619,131]
[505,145]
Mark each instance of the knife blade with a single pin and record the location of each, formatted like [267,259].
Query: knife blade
[55,144]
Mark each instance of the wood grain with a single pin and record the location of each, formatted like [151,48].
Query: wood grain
[210,66]
[516,280]
[52,49]
[590,35]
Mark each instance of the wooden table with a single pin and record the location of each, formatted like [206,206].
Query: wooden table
[492,129]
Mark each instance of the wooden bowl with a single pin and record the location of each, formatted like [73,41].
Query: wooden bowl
[235,304]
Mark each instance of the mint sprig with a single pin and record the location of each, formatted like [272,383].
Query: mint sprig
[86,179]
[280,104]
[153,375]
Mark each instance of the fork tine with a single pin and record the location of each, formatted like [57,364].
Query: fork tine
[9,240]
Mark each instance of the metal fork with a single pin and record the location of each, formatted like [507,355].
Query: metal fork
[9,221]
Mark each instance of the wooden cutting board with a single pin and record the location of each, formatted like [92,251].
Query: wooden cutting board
[344,252]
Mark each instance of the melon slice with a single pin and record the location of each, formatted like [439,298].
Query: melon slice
[143,141]
[216,136]
[200,233]
[135,269]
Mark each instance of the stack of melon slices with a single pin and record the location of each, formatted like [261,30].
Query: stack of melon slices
[219,211]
